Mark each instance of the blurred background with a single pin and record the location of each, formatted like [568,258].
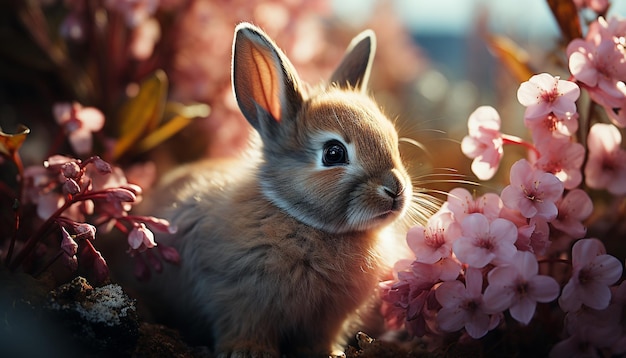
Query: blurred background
[159,71]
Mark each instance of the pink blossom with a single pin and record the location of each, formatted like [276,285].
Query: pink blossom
[534,236]
[606,164]
[563,159]
[143,39]
[462,306]
[601,328]
[543,94]
[517,286]
[461,203]
[406,298]
[574,208]
[551,127]
[434,242]
[532,191]
[484,142]
[68,245]
[141,238]
[598,62]
[85,231]
[593,271]
[79,122]
[482,242]
[598,67]
[602,29]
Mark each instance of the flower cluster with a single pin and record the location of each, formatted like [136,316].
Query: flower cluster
[481,261]
[68,191]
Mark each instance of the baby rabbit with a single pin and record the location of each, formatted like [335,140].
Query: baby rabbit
[280,249]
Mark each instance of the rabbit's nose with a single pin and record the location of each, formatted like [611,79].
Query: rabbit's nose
[393,183]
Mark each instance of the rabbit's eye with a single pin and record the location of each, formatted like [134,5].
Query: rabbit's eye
[335,153]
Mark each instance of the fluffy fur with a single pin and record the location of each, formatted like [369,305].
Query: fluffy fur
[280,251]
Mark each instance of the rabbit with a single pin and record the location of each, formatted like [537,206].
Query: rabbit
[281,248]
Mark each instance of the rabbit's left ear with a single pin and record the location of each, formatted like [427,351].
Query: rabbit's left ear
[354,70]
[266,85]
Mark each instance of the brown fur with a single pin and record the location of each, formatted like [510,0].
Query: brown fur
[279,252]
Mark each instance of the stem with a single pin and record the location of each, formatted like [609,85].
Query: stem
[583,132]
[49,263]
[511,139]
[37,236]
[17,208]
[16,211]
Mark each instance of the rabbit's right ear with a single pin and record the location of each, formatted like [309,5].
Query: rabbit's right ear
[265,83]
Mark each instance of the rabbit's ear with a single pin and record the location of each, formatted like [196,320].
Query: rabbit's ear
[265,83]
[354,70]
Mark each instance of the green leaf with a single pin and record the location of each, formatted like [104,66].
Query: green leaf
[141,113]
[182,116]
[11,143]
[514,58]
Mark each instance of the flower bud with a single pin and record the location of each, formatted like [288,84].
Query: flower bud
[123,195]
[169,254]
[136,189]
[101,269]
[71,187]
[68,245]
[57,160]
[85,231]
[141,235]
[101,166]
[159,224]
[70,170]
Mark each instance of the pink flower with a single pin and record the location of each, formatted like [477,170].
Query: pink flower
[79,122]
[563,159]
[84,231]
[434,242]
[598,62]
[406,299]
[596,65]
[593,271]
[606,164]
[461,203]
[551,127]
[518,287]
[543,94]
[534,236]
[574,208]
[532,191]
[484,142]
[601,328]
[141,238]
[68,245]
[482,242]
[143,39]
[462,306]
